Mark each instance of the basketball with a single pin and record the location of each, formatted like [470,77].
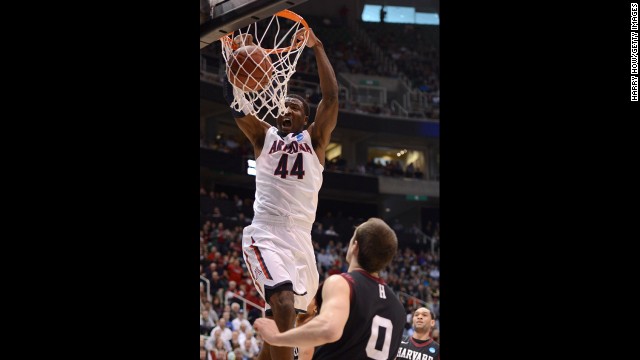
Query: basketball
[250,68]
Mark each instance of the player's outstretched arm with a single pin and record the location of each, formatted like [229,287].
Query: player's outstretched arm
[252,127]
[325,328]
[327,112]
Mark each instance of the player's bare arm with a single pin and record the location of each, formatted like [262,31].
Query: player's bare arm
[306,353]
[325,328]
[327,111]
[255,130]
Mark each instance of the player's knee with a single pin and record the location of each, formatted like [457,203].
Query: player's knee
[282,301]
[282,306]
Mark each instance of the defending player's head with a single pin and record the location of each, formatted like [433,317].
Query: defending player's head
[374,244]
[423,320]
[296,115]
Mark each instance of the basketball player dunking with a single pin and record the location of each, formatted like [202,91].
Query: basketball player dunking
[359,315]
[277,245]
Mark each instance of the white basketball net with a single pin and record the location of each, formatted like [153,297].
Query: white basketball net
[277,38]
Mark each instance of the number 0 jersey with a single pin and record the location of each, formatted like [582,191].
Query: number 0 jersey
[288,178]
[375,324]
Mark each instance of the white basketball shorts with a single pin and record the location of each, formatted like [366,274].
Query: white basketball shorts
[279,254]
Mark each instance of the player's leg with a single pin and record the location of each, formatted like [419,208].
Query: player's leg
[284,314]
[271,270]
[265,352]
[308,279]
[277,274]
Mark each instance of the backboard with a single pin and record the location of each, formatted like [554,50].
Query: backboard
[229,15]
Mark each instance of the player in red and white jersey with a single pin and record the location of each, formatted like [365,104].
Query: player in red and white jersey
[290,159]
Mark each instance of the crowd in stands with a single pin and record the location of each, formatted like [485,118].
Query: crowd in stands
[226,321]
[346,53]
[414,49]
[393,168]
[236,144]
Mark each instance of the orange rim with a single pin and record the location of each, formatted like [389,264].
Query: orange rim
[287,14]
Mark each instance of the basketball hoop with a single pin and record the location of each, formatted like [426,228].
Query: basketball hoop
[282,39]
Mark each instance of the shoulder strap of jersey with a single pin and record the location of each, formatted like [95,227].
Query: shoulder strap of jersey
[351,283]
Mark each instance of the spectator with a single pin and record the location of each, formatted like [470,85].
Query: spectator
[331,231]
[434,273]
[325,260]
[410,171]
[231,291]
[224,332]
[234,269]
[248,350]
[206,324]
[213,315]
[235,323]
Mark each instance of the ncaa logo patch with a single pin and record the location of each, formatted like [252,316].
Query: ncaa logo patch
[299,137]
[432,350]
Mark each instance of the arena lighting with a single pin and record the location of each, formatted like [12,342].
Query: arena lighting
[251,167]
[399,15]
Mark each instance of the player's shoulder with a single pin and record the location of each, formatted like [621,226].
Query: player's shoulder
[336,279]
[397,304]
[336,285]
[432,348]
[333,283]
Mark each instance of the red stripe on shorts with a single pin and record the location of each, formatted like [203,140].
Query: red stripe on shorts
[263,266]
[255,282]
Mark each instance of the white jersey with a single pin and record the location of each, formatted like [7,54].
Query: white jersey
[288,178]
